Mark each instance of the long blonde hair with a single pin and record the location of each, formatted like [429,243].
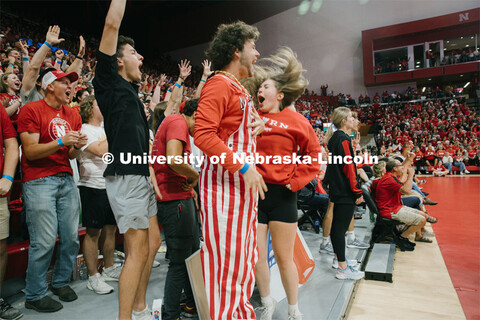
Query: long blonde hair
[286,72]
[338,115]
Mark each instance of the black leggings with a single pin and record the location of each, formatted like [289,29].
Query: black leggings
[342,216]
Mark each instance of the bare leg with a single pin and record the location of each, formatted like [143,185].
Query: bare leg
[90,250]
[154,241]
[129,282]
[327,220]
[262,272]
[108,244]
[283,240]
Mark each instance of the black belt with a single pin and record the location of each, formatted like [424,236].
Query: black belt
[61,174]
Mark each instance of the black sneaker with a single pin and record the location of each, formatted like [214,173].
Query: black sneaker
[189,312]
[403,243]
[46,304]
[7,312]
[64,293]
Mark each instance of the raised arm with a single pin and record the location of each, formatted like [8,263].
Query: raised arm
[156,92]
[30,77]
[206,73]
[78,62]
[25,59]
[108,44]
[177,93]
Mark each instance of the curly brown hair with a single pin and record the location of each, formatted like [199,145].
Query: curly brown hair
[86,108]
[227,39]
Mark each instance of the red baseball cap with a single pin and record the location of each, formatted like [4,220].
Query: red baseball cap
[51,76]
[182,105]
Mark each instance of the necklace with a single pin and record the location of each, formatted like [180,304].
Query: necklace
[234,78]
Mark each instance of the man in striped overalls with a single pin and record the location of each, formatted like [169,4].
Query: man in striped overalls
[226,123]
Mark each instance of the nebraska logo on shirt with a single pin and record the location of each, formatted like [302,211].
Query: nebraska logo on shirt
[58,127]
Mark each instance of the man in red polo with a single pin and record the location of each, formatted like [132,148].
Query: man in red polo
[388,192]
[50,134]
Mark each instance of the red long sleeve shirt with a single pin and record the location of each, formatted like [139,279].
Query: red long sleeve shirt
[288,132]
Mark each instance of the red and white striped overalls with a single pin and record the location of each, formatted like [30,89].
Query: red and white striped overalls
[229,224]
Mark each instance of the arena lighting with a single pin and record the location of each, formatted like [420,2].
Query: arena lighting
[316,5]
[423,90]
[448,41]
[461,37]
[466,85]
[467,45]
[304,7]
[461,75]
[430,79]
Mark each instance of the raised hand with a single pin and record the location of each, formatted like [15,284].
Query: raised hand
[59,54]
[162,81]
[24,46]
[53,34]
[185,69]
[206,68]
[81,47]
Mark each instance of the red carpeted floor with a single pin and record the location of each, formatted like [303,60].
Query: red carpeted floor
[458,234]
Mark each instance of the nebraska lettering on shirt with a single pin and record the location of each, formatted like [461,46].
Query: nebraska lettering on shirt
[273,123]
[50,124]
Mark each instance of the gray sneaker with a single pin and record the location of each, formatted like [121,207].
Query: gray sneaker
[7,312]
[357,244]
[326,248]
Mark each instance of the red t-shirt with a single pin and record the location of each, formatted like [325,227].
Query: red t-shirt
[50,124]
[418,156]
[8,132]
[285,132]
[472,153]
[387,195]
[429,154]
[173,127]
[440,154]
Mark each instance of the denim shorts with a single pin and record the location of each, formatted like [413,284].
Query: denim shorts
[132,199]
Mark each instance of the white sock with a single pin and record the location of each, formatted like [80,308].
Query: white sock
[351,235]
[138,312]
[326,239]
[266,300]
[293,309]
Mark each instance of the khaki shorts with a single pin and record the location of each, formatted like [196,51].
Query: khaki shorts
[4,218]
[409,216]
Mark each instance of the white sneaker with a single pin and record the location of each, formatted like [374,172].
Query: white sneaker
[142,315]
[268,309]
[355,243]
[155,264]
[351,263]
[466,171]
[112,273]
[326,248]
[98,285]
[295,316]
[349,273]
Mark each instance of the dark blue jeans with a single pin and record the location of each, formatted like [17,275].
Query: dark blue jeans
[179,221]
[318,201]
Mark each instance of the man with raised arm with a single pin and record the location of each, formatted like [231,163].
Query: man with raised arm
[130,192]
[227,123]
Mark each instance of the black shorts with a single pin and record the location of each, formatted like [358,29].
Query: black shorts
[280,204]
[96,210]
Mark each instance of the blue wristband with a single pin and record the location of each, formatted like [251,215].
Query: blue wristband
[244,168]
[26,59]
[11,65]
[60,142]
[58,61]
[203,81]
[177,85]
[169,90]
[48,45]
[6,176]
